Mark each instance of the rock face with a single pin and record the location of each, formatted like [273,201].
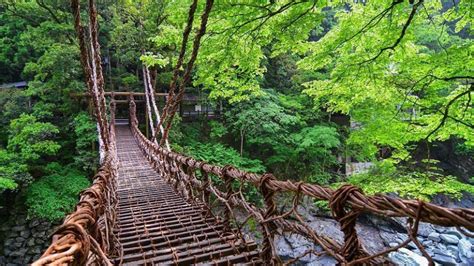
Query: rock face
[24,240]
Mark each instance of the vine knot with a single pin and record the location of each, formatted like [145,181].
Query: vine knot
[347,220]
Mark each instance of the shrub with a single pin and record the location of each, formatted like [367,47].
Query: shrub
[54,195]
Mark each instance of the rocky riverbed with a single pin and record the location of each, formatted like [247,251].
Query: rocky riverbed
[446,245]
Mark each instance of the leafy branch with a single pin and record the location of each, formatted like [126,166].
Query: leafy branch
[400,37]
[446,111]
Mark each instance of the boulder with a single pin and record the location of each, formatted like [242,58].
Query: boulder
[34,223]
[450,239]
[40,234]
[466,249]
[453,250]
[427,243]
[424,229]
[36,250]
[444,260]
[434,236]
[388,237]
[406,257]
[27,259]
[17,244]
[9,242]
[18,228]
[393,244]
[454,232]
[25,233]
[31,242]
[19,252]
[290,246]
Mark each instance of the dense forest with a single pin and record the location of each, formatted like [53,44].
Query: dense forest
[306,90]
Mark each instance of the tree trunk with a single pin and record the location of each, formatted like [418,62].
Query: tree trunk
[241,142]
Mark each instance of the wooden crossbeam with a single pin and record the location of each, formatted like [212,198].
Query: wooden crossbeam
[120,93]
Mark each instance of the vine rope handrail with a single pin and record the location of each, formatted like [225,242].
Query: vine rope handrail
[346,203]
[86,234]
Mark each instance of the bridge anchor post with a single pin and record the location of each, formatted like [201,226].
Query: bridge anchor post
[351,250]
[229,191]
[268,253]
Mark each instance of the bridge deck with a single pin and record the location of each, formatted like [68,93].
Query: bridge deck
[156,226]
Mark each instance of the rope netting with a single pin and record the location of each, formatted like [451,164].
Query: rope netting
[192,179]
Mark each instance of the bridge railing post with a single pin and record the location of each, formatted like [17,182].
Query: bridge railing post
[190,176]
[205,192]
[351,249]
[174,174]
[228,195]
[269,227]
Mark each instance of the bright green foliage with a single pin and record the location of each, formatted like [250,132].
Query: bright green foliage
[314,152]
[218,130]
[232,60]
[317,140]
[219,154]
[398,96]
[384,178]
[12,171]
[31,138]
[53,82]
[55,195]
[262,121]
[277,128]
[86,136]
[13,102]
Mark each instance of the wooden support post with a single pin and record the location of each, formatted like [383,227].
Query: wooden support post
[229,191]
[205,192]
[351,250]
[269,228]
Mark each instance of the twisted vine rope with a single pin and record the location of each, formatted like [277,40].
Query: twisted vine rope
[190,178]
[86,237]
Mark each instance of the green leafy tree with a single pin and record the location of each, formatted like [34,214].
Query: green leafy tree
[400,86]
[219,154]
[13,172]
[85,136]
[31,138]
[13,102]
[261,122]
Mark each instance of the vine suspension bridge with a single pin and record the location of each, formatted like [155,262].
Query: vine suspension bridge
[149,205]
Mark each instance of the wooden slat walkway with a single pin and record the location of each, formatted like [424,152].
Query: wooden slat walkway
[156,226]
